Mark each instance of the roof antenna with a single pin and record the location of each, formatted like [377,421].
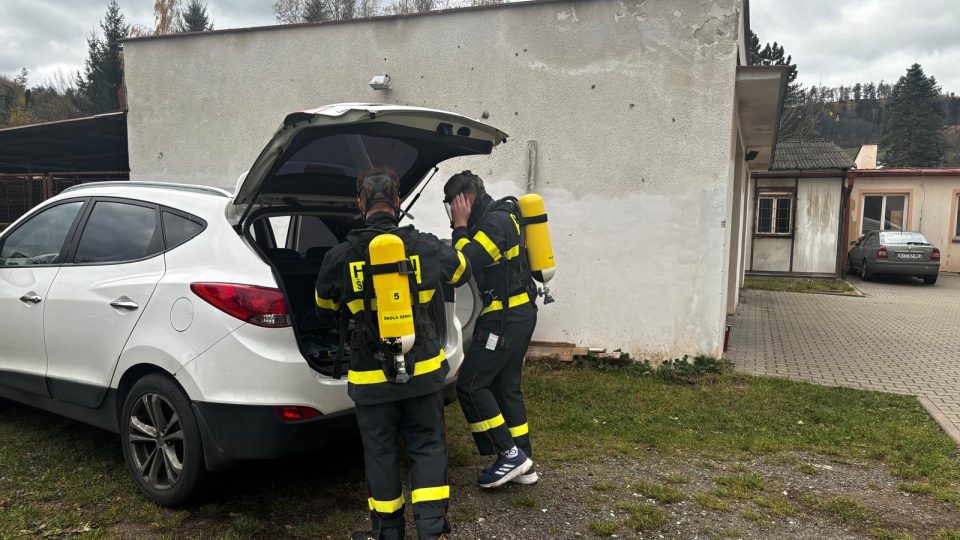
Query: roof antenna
[406,211]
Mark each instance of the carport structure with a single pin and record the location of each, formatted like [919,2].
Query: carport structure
[39,161]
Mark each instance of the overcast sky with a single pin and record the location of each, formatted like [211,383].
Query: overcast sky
[832,41]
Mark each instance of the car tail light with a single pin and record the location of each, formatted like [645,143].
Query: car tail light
[882,252]
[295,413]
[261,306]
[935,255]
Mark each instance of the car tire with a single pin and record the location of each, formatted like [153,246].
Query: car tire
[166,464]
[865,274]
[930,280]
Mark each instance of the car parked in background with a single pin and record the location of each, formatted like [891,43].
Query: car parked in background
[900,253]
[183,317]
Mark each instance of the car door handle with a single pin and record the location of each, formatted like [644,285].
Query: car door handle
[124,303]
[31,298]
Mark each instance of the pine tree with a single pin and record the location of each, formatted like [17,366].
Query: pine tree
[194,18]
[753,49]
[913,124]
[99,86]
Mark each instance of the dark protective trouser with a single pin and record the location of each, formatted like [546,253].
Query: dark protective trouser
[489,387]
[420,422]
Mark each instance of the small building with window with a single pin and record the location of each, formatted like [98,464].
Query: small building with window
[909,199]
[797,211]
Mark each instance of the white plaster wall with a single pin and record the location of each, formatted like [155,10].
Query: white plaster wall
[817,225]
[631,105]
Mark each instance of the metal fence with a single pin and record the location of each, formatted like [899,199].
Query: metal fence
[21,192]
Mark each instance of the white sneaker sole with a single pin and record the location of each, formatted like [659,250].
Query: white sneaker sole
[527,479]
[522,469]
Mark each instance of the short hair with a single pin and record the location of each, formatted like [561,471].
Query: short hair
[463,182]
[378,185]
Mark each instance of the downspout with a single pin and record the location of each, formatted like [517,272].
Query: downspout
[845,212]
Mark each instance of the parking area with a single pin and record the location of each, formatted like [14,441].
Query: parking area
[901,337]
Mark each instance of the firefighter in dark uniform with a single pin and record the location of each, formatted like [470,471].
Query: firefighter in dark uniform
[387,409]
[487,232]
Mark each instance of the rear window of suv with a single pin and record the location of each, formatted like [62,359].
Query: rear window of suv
[119,232]
[349,155]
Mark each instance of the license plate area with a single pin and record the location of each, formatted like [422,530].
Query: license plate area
[910,256]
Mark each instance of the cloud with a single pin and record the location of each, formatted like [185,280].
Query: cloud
[47,36]
[844,42]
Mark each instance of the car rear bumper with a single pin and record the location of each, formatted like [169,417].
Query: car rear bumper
[905,268]
[234,433]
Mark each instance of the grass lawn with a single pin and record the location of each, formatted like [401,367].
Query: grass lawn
[61,479]
[798,285]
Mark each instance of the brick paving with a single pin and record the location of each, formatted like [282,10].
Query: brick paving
[901,337]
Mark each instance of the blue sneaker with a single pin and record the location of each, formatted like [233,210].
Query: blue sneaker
[508,466]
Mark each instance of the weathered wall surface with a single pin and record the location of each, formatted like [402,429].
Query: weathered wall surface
[630,105]
[817,225]
[931,209]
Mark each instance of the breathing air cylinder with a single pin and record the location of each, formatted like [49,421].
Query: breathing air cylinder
[537,240]
[394,305]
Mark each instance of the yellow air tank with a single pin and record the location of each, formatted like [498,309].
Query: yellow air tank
[394,305]
[537,237]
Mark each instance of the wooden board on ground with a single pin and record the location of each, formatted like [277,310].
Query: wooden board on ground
[565,352]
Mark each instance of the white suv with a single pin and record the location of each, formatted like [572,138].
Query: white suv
[183,318]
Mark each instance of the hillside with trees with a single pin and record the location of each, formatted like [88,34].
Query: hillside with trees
[913,121]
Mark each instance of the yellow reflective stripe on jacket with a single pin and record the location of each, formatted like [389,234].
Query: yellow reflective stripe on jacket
[460,269]
[385,507]
[430,494]
[515,300]
[427,295]
[480,427]
[512,252]
[461,242]
[326,303]
[520,430]
[376,376]
[355,306]
[515,222]
[488,245]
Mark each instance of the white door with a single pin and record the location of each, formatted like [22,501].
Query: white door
[98,297]
[30,257]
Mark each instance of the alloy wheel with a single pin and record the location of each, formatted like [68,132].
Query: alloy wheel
[156,441]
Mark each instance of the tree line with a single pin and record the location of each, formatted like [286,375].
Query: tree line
[96,89]
[913,121]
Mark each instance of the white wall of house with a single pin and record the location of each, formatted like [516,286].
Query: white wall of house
[630,105]
[812,248]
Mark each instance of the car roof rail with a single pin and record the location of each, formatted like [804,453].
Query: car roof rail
[161,185]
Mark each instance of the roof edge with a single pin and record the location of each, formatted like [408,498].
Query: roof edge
[66,121]
[269,27]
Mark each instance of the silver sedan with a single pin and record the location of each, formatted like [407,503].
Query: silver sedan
[900,253]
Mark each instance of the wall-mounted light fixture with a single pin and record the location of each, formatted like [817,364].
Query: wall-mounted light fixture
[752,155]
[380,82]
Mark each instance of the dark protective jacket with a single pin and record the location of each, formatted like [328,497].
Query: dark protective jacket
[341,289]
[491,244]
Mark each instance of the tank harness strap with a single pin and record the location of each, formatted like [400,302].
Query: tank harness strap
[533,220]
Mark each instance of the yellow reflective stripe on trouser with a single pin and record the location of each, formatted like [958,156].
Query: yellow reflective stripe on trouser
[515,300]
[461,242]
[375,376]
[460,269]
[488,245]
[520,431]
[438,493]
[326,303]
[385,507]
[480,427]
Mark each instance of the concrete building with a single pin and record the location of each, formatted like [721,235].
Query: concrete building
[634,120]
[913,199]
[798,209]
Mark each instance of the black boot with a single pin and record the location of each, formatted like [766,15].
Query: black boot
[385,534]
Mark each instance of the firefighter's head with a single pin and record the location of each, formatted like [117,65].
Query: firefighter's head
[466,183]
[378,190]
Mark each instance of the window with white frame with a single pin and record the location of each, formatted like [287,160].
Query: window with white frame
[883,213]
[956,223]
[774,212]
